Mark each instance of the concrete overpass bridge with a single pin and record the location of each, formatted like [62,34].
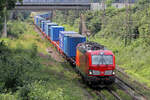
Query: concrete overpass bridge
[49,5]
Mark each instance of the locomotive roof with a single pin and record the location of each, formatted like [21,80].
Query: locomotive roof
[86,46]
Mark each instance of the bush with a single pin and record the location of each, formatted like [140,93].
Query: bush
[7,96]
[16,28]
[15,65]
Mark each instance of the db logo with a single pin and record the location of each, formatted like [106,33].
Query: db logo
[102,72]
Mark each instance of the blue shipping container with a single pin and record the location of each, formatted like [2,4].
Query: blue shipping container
[43,24]
[55,30]
[45,27]
[70,43]
[36,20]
[48,28]
[45,15]
[61,38]
[40,19]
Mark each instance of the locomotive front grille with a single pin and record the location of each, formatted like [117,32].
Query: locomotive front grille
[96,72]
[108,72]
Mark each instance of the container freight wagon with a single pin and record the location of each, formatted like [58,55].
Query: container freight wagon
[70,43]
[36,20]
[48,28]
[40,19]
[55,30]
[46,15]
[61,38]
[44,24]
[96,64]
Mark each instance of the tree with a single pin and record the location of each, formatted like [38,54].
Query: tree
[143,2]
[109,3]
[6,5]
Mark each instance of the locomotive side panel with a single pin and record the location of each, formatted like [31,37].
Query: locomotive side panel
[82,62]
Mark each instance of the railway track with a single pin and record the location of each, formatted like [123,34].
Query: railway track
[136,95]
[126,88]
[102,96]
[117,97]
[131,86]
[119,70]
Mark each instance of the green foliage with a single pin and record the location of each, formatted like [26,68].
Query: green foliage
[59,18]
[1,20]
[39,91]
[34,50]
[16,28]
[8,3]
[109,2]
[70,17]
[26,75]
[93,21]
[14,66]
[117,24]
[21,15]
[7,96]
[143,2]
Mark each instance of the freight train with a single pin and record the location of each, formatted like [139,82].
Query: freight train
[93,61]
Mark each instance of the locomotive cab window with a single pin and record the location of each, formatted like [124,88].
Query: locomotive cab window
[102,59]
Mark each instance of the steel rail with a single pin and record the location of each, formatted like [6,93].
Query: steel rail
[130,90]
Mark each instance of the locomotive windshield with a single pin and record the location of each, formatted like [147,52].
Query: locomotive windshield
[102,59]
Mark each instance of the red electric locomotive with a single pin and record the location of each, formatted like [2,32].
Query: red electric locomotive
[95,63]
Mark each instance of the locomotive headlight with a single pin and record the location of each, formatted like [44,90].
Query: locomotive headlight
[113,73]
[90,72]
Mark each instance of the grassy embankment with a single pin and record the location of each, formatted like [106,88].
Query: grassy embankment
[27,76]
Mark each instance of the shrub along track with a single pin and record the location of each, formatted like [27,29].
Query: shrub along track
[99,92]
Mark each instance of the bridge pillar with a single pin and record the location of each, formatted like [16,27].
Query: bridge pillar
[82,27]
